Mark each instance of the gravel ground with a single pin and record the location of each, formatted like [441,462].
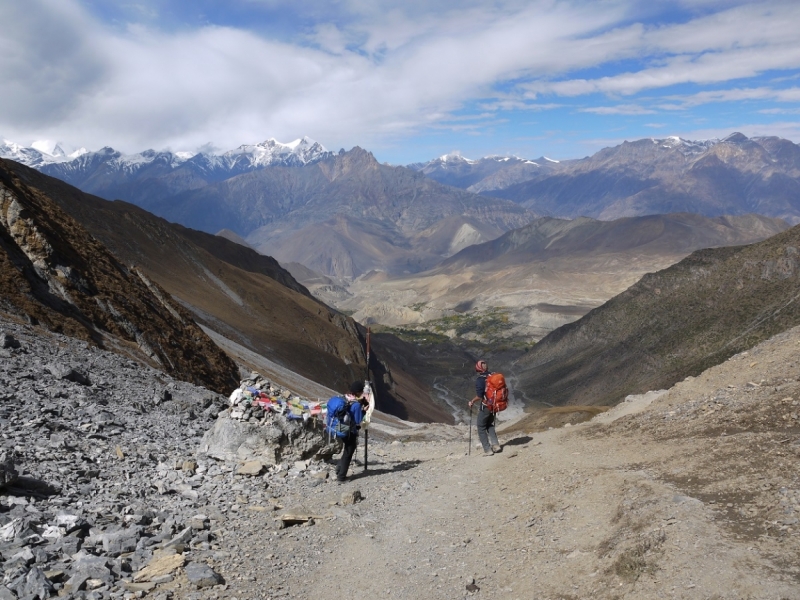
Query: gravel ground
[693,493]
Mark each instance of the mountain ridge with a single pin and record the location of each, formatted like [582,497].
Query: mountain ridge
[735,175]
[671,324]
[53,272]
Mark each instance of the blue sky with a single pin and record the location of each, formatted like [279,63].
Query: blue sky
[407,80]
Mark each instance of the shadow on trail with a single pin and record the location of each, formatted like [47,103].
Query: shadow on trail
[519,441]
[405,465]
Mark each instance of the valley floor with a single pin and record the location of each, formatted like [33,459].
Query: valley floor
[694,493]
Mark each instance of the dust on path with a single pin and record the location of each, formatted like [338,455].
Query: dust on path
[692,493]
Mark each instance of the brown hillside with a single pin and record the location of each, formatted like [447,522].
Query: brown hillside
[53,272]
[237,292]
[671,324]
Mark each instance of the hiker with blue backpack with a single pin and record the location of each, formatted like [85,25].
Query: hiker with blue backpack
[345,415]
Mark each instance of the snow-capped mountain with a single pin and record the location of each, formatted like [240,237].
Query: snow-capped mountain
[39,153]
[493,173]
[487,173]
[685,147]
[272,152]
[244,158]
[146,177]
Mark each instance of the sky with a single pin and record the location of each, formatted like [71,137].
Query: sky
[408,80]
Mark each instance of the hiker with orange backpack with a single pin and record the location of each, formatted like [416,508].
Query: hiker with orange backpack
[491,391]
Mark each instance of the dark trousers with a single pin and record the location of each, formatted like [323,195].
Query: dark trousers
[486,432]
[350,444]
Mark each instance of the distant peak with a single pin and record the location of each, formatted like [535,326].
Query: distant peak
[48,147]
[736,138]
[552,160]
[454,156]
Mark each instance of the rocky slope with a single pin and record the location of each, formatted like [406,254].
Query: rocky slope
[102,475]
[671,324]
[733,176]
[54,272]
[108,490]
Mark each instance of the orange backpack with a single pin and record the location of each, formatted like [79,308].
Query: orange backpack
[496,393]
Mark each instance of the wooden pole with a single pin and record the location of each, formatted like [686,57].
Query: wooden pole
[366,431]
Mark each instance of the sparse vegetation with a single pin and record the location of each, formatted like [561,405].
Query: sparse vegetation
[486,325]
[414,336]
[635,561]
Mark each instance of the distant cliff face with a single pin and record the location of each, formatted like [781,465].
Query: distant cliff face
[53,272]
[671,324]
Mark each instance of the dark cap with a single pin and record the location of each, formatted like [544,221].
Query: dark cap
[357,388]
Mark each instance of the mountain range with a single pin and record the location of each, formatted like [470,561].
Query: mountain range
[344,214]
[359,215]
[733,176]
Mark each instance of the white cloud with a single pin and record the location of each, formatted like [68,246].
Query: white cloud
[384,69]
[741,42]
[620,109]
[780,111]
[785,129]
[734,95]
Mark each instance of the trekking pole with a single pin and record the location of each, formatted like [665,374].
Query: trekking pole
[469,448]
[366,431]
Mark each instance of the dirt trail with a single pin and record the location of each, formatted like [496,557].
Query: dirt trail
[691,493]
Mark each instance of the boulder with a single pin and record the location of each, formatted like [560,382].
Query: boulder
[160,566]
[65,372]
[8,341]
[201,575]
[124,540]
[33,584]
[277,440]
[252,468]
[8,474]
[351,497]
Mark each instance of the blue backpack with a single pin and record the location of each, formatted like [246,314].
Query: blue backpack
[339,421]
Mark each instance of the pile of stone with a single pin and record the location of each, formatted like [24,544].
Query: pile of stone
[110,489]
[257,399]
[269,424]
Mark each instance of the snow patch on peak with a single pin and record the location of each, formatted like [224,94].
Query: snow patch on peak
[454,156]
[552,160]
[272,152]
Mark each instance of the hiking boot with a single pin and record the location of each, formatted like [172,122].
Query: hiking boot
[497,448]
[488,452]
